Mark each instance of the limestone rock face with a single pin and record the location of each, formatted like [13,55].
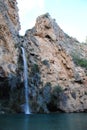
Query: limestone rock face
[57,72]
[9,26]
[49,51]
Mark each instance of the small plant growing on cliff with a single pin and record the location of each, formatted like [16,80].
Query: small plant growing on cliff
[79,61]
[57,89]
[46,62]
[85,93]
[35,68]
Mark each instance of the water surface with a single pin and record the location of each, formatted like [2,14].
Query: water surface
[44,122]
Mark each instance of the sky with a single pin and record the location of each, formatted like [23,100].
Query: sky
[71,15]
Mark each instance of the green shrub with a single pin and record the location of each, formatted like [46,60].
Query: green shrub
[79,61]
[55,98]
[85,93]
[57,89]
[35,68]
[46,62]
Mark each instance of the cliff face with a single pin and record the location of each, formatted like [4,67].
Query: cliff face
[9,26]
[62,84]
[56,81]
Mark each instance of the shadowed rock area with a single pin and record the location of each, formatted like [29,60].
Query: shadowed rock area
[57,65]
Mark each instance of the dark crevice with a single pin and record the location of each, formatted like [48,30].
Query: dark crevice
[47,36]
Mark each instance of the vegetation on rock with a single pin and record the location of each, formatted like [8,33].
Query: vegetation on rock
[79,61]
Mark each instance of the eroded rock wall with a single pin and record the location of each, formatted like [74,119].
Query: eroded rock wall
[55,82]
[9,27]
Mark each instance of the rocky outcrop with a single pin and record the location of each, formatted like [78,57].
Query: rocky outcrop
[56,65]
[9,26]
[52,69]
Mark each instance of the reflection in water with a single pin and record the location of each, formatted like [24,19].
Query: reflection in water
[44,122]
[26,123]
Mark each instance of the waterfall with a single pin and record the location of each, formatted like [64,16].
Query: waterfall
[26,107]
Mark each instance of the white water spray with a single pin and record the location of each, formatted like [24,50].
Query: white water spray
[26,107]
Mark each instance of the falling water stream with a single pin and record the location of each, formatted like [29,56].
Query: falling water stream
[26,107]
